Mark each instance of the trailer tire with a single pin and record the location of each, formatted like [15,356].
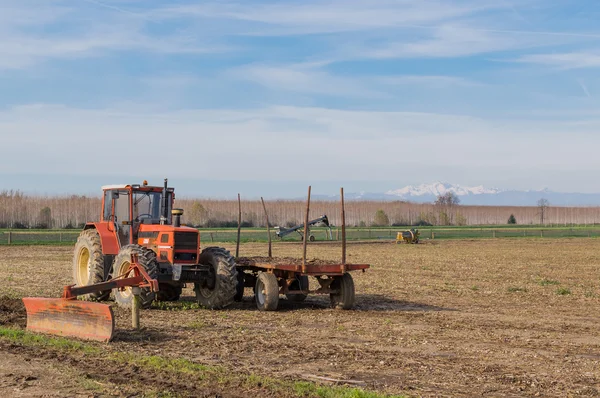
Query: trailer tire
[343,299]
[239,287]
[168,292]
[147,259]
[300,283]
[89,264]
[225,283]
[266,292]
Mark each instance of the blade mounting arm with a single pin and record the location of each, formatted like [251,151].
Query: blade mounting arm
[140,278]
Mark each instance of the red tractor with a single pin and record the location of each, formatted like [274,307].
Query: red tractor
[140,219]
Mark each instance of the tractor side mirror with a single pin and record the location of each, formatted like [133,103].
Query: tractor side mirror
[115,195]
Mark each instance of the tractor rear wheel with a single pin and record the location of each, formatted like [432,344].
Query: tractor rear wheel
[343,299]
[220,291]
[88,263]
[147,259]
[266,292]
[300,283]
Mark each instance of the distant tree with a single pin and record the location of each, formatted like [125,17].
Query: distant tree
[448,199]
[381,219]
[445,204]
[512,219]
[461,219]
[45,218]
[542,205]
[198,214]
[362,223]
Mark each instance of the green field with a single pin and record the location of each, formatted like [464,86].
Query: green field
[68,237]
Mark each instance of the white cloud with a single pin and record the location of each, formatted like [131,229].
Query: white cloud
[458,40]
[569,60]
[310,17]
[306,78]
[337,144]
[33,31]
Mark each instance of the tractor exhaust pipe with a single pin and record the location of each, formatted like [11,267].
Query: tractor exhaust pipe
[164,206]
[177,213]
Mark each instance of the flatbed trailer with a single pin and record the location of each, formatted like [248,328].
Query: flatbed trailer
[272,277]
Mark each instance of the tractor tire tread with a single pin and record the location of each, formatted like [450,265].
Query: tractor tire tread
[147,259]
[226,278]
[91,239]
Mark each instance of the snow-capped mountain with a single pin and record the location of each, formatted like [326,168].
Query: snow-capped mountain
[440,188]
[478,195]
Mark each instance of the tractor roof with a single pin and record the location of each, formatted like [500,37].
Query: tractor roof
[116,186]
[134,186]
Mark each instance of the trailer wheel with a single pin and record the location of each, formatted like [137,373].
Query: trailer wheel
[266,292]
[343,299]
[220,291]
[300,283]
[88,263]
[168,292]
[311,238]
[147,259]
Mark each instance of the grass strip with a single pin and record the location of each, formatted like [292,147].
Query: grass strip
[204,375]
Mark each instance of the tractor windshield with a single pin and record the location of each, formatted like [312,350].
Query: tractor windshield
[146,206]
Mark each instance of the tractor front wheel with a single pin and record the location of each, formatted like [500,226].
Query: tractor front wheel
[88,263]
[147,259]
[221,289]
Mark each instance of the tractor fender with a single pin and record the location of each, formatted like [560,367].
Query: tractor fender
[110,244]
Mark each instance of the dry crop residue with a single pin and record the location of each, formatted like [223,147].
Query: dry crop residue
[505,317]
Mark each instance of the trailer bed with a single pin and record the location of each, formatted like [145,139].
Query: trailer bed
[314,267]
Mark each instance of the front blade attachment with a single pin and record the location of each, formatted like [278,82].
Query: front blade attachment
[83,319]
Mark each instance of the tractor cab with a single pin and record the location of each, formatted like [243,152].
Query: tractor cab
[126,207]
[144,215]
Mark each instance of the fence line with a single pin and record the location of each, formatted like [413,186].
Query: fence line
[69,237]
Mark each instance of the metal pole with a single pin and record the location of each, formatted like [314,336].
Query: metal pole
[237,245]
[268,226]
[343,232]
[305,238]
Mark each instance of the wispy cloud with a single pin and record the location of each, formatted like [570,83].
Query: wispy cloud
[304,78]
[569,60]
[584,87]
[312,17]
[33,31]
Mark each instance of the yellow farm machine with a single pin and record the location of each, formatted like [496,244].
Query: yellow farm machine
[410,236]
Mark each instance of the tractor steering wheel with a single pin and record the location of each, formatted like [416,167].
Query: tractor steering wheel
[143,215]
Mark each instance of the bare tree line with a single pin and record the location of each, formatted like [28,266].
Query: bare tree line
[18,210]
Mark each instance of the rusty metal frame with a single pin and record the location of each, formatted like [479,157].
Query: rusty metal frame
[140,279]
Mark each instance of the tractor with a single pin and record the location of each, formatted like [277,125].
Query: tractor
[140,220]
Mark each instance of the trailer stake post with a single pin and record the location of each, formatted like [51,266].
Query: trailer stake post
[237,244]
[343,231]
[305,238]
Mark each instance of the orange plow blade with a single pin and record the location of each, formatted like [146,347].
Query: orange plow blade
[83,319]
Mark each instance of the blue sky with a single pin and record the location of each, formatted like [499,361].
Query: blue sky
[278,94]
